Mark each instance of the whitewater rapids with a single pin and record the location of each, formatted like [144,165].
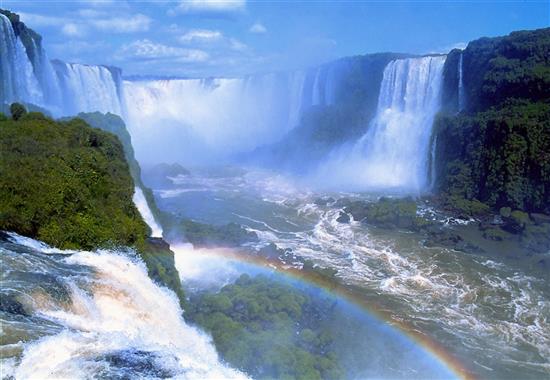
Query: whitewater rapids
[95,314]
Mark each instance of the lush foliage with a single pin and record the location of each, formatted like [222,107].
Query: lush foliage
[268,329]
[66,184]
[497,151]
[17,110]
[500,157]
[112,123]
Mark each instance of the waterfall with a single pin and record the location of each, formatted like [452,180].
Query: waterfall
[88,88]
[316,93]
[18,81]
[394,153]
[460,85]
[191,120]
[145,211]
[96,314]
[397,144]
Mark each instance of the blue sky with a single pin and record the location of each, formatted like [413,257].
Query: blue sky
[225,38]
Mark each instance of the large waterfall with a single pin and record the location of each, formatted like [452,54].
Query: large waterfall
[193,120]
[17,79]
[28,76]
[207,120]
[394,152]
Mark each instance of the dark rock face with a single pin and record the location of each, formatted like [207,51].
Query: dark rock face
[343,218]
[9,304]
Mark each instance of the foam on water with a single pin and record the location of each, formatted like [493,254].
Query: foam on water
[117,321]
[481,308]
[145,211]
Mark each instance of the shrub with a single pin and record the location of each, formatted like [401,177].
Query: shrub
[17,110]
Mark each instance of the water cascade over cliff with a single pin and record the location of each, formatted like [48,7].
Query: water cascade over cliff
[194,119]
[64,89]
[76,314]
[394,152]
[17,80]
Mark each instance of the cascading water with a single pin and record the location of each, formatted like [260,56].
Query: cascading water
[17,79]
[218,117]
[394,153]
[145,211]
[460,84]
[94,314]
[88,88]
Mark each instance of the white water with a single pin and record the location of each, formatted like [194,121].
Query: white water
[88,88]
[460,84]
[193,120]
[394,152]
[18,79]
[145,211]
[115,310]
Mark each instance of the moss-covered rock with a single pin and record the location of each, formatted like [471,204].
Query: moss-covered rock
[159,260]
[207,235]
[386,213]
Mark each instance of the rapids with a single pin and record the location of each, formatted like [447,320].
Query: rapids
[94,314]
[489,313]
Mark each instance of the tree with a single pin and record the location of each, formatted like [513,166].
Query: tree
[17,110]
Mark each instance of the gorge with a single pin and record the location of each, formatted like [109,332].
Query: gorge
[376,216]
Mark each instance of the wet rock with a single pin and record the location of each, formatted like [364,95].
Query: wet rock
[324,201]
[272,252]
[536,238]
[495,234]
[9,304]
[540,218]
[127,364]
[342,202]
[516,221]
[450,239]
[386,213]
[343,218]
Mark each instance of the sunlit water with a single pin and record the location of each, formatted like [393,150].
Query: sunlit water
[490,314]
[82,315]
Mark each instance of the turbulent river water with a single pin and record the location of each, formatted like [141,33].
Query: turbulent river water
[491,315]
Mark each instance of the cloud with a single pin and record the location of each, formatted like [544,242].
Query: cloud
[34,20]
[258,28]
[73,30]
[201,35]
[209,6]
[148,50]
[135,23]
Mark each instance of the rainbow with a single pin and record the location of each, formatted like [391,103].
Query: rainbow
[436,350]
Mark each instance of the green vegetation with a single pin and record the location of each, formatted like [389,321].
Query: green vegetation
[115,125]
[268,329]
[66,184]
[206,235]
[499,157]
[17,111]
[497,151]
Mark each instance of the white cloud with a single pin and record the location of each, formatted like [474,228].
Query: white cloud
[209,6]
[34,20]
[237,45]
[258,28]
[73,30]
[135,23]
[201,35]
[148,50]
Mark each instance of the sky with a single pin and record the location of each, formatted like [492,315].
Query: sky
[197,38]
